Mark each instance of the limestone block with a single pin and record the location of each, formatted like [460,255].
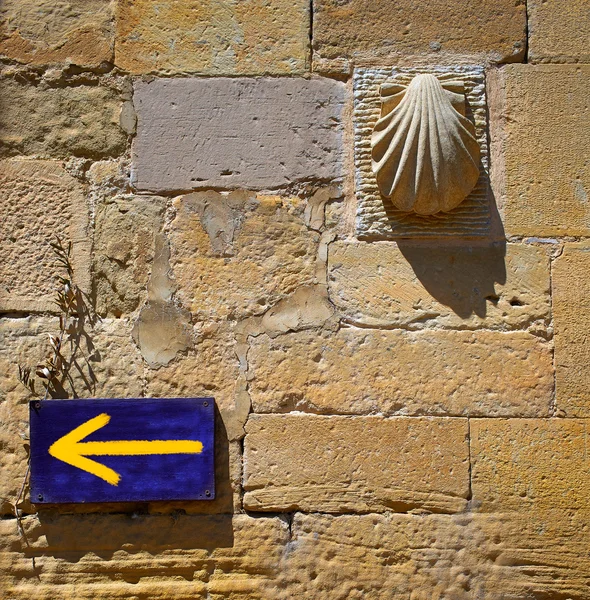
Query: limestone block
[102,363]
[50,31]
[212,38]
[349,464]
[571,306]
[462,557]
[39,200]
[256,133]
[211,368]
[118,556]
[125,230]
[384,284]
[444,31]
[236,255]
[359,371]
[530,464]
[543,145]
[60,122]
[558,31]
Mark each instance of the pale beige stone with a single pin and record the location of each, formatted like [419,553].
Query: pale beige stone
[210,368]
[60,122]
[39,201]
[459,557]
[558,31]
[101,362]
[50,31]
[571,307]
[503,286]
[376,216]
[349,464]
[236,255]
[530,464]
[206,37]
[543,145]
[424,152]
[84,557]
[124,246]
[362,371]
[446,32]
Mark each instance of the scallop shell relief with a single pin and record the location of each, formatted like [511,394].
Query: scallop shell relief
[424,152]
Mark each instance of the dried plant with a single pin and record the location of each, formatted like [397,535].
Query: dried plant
[48,377]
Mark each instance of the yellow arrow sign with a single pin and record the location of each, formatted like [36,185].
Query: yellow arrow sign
[73,451]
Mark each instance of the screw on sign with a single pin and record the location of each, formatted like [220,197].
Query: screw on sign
[122,450]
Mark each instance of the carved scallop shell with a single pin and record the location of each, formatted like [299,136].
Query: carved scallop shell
[424,152]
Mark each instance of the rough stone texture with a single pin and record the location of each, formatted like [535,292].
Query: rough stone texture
[211,368]
[459,557]
[383,284]
[530,464]
[50,31]
[398,372]
[558,31]
[39,200]
[447,32]
[60,122]
[236,255]
[117,556]
[102,363]
[544,147]
[571,307]
[163,329]
[376,217]
[350,464]
[125,230]
[213,38]
[252,132]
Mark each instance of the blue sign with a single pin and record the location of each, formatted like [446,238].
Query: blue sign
[138,450]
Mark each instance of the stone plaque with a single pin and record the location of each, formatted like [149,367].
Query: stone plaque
[376,217]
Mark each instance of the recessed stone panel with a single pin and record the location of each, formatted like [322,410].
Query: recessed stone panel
[375,216]
[228,133]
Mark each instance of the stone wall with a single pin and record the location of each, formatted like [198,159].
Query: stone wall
[401,415]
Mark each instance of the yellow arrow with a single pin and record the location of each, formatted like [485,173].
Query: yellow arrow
[71,450]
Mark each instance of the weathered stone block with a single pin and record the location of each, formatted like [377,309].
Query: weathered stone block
[124,247]
[376,217]
[212,368]
[558,31]
[400,372]
[530,464]
[226,133]
[60,122]
[102,362]
[206,37]
[39,201]
[349,464]
[571,307]
[117,556]
[50,31]
[384,284]
[542,143]
[396,557]
[236,255]
[446,31]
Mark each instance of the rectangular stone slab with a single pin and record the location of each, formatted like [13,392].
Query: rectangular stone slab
[355,464]
[228,133]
